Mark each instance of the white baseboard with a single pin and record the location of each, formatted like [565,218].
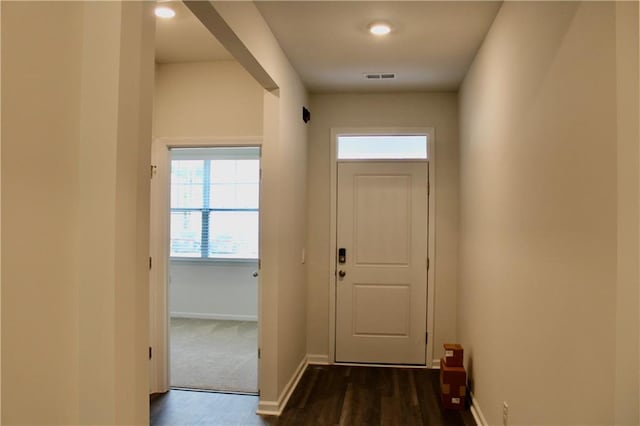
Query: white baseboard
[316,359]
[268,408]
[224,317]
[369,364]
[477,413]
[435,364]
[275,408]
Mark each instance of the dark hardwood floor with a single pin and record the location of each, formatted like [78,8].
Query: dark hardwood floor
[326,395]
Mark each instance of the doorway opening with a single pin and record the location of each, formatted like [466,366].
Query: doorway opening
[213,268]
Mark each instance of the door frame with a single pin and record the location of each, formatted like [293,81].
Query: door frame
[429,132]
[159,249]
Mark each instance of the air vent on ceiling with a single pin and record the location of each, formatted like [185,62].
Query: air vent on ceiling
[380,75]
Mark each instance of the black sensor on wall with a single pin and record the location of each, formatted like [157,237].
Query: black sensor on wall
[306,115]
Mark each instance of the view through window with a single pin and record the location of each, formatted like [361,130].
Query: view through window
[375,147]
[214,203]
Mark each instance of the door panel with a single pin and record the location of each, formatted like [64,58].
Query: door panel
[373,302]
[382,297]
[381,234]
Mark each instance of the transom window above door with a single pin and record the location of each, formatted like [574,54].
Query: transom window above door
[382,147]
[215,203]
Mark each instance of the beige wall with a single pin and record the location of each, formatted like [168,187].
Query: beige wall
[283,200]
[437,110]
[0,221]
[35,181]
[75,223]
[543,211]
[627,392]
[206,99]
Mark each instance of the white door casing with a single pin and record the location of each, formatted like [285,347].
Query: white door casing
[381,301]
[159,250]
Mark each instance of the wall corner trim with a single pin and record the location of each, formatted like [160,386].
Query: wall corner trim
[275,408]
[477,413]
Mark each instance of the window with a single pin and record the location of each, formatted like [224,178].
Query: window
[214,203]
[375,147]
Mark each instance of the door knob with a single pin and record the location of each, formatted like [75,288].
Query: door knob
[342,273]
[255,274]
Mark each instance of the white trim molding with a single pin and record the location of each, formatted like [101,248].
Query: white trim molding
[359,364]
[435,363]
[316,359]
[205,142]
[223,317]
[477,413]
[275,408]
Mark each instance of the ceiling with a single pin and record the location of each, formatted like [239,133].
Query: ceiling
[430,47]
[183,38]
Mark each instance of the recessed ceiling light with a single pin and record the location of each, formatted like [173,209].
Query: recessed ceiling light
[165,12]
[379,28]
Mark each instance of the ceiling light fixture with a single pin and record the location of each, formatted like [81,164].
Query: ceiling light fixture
[164,12]
[379,28]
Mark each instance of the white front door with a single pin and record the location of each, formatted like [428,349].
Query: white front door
[381,283]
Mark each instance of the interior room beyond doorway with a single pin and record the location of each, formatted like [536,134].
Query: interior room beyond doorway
[213,251]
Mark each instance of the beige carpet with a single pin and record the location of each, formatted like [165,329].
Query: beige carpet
[214,355]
